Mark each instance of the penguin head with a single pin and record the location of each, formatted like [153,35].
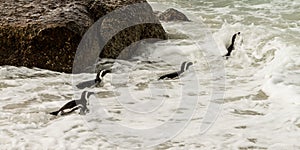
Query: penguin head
[104,72]
[185,66]
[236,39]
[188,65]
[86,94]
[98,79]
[100,75]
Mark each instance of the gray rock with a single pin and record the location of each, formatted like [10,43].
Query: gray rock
[172,14]
[45,34]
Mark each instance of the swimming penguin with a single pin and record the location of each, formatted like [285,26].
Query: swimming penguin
[184,66]
[231,47]
[75,104]
[99,77]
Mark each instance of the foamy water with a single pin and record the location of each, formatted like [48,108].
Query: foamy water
[250,101]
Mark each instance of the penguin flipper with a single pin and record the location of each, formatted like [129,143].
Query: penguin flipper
[55,113]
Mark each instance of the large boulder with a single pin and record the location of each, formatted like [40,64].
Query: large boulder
[46,33]
[172,14]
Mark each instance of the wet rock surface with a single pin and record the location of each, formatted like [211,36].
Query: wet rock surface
[172,14]
[46,34]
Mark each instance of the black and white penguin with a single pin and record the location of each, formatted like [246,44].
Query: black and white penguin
[99,77]
[231,46]
[184,66]
[75,104]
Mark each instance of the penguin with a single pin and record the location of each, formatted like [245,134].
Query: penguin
[231,46]
[99,77]
[184,66]
[75,104]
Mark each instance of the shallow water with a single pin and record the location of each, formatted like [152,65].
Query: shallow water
[250,101]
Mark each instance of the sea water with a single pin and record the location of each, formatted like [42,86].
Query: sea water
[248,101]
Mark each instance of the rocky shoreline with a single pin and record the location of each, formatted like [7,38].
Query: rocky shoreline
[46,34]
